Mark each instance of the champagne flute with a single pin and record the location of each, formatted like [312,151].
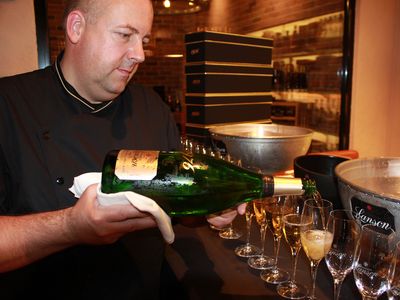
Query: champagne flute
[292,223]
[247,249]
[340,258]
[394,292]
[374,261]
[275,210]
[315,239]
[261,261]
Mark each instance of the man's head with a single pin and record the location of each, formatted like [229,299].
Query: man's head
[104,44]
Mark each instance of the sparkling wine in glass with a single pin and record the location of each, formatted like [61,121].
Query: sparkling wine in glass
[374,261]
[247,249]
[340,258]
[261,261]
[315,239]
[275,211]
[292,224]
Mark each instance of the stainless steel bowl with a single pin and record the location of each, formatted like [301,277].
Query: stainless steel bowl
[270,148]
[371,188]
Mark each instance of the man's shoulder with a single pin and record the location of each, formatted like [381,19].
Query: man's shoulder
[34,80]
[35,74]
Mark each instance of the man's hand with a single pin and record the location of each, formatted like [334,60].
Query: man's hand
[226,217]
[25,239]
[91,223]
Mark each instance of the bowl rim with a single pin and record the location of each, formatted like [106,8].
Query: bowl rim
[216,131]
[328,156]
[387,196]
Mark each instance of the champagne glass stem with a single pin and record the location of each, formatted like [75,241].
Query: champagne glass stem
[229,232]
[249,218]
[294,262]
[314,267]
[263,230]
[277,244]
[337,284]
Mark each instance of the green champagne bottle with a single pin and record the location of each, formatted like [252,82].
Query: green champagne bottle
[187,184]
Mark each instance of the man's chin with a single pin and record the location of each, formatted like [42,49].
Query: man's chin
[117,90]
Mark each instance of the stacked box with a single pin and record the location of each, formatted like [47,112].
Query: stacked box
[228,80]
[228,48]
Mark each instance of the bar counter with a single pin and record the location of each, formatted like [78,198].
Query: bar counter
[206,267]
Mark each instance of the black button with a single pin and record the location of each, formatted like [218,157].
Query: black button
[46,135]
[60,180]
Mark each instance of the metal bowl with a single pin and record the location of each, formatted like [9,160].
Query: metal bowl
[370,187]
[269,148]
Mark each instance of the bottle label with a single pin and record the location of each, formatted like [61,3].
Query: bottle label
[370,214]
[136,165]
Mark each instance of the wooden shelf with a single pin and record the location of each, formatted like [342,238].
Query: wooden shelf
[312,55]
[285,112]
[273,118]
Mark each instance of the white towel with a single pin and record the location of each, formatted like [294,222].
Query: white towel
[141,202]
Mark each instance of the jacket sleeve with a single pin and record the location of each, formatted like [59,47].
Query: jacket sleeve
[4,168]
[4,183]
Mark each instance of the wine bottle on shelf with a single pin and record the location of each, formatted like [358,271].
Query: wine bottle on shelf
[190,184]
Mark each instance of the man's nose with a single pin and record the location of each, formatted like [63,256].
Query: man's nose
[136,51]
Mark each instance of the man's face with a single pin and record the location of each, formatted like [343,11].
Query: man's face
[111,47]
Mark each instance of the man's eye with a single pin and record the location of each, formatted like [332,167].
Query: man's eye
[124,35]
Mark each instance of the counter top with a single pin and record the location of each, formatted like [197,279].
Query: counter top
[206,267]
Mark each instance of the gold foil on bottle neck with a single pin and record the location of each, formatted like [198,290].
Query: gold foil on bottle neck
[288,186]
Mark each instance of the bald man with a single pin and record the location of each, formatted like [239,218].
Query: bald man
[59,122]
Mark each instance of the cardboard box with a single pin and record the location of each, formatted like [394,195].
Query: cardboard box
[225,68]
[227,113]
[228,78]
[225,98]
[226,47]
[228,83]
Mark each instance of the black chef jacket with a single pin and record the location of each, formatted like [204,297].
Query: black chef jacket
[49,135]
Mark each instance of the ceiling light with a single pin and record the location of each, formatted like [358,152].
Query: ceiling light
[174,55]
[167,4]
[174,7]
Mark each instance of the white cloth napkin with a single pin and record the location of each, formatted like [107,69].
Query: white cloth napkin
[141,202]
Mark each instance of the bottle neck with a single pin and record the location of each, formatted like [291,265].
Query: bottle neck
[269,185]
[274,186]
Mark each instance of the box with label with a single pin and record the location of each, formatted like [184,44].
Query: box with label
[227,47]
[227,68]
[228,78]
[228,83]
[227,98]
[227,113]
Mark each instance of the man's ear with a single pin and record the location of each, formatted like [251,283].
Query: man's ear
[75,26]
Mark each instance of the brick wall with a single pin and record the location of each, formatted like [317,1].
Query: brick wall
[55,10]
